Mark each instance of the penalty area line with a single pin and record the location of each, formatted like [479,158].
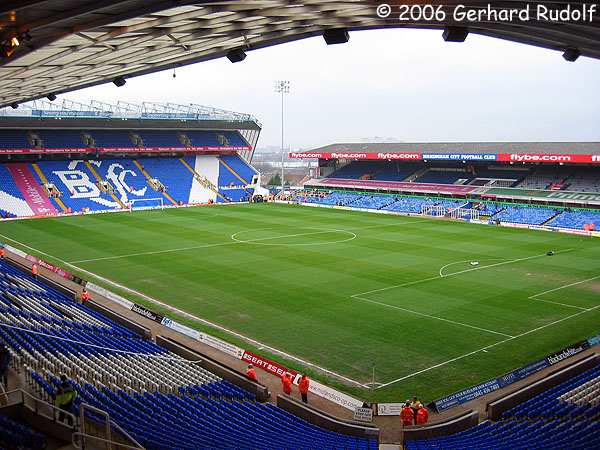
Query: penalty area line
[485,348]
[193,317]
[431,316]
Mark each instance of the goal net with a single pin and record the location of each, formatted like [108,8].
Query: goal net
[146,203]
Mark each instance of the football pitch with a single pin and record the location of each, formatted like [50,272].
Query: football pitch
[415,305]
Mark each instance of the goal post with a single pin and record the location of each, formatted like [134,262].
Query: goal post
[465,214]
[146,203]
[436,211]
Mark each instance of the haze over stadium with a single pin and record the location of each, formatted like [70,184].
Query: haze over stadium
[432,235]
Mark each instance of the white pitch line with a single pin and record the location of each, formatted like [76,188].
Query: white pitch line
[195,247]
[534,297]
[565,286]
[437,277]
[467,260]
[558,303]
[486,347]
[431,316]
[193,317]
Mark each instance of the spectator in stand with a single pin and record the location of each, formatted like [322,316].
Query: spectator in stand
[415,405]
[65,396]
[34,270]
[2,252]
[407,415]
[422,415]
[286,383]
[85,296]
[251,373]
[4,363]
[303,387]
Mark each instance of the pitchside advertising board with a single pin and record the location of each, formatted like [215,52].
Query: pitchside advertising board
[512,377]
[416,156]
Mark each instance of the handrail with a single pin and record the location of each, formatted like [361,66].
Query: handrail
[109,425]
[38,406]
[80,438]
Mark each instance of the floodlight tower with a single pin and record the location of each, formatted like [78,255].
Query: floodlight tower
[282,87]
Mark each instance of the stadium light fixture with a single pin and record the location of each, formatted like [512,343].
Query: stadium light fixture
[282,87]
[336,36]
[236,55]
[455,34]
[571,54]
[119,81]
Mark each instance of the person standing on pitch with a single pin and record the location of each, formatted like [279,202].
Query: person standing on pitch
[251,373]
[286,383]
[303,387]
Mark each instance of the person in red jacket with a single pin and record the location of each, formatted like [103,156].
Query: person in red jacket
[422,415]
[303,387]
[407,415]
[2,252]
[251,373]
[85,296]
[34,270]
[286,382]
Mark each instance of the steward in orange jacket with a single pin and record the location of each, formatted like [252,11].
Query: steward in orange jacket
[2,252]
[251,373]
[286,382]
[422,415]
[34,270]
[407,415]
[85,296]
[303,387]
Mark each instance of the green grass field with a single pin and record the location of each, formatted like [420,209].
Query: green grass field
[348,291]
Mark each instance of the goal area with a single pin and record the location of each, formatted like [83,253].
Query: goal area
[146,203]
[453,213]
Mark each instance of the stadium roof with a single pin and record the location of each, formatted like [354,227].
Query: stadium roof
[465,147]
[64,45]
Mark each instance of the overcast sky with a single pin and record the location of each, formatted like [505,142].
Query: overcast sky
[402,85]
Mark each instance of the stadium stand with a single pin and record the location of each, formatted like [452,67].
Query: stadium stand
[544,178]
[111,139]
[376,170]
[162,400]
[109,184]
[61,139]
[12,139]
[525,215]
[583,180]
[444,176]
[576,220]
[15,435]
[510,213]
[564,417]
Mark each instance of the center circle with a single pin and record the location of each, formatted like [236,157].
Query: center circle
[342,236]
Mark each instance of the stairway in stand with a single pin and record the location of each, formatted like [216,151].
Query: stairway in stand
[100,180]
[44,180]
[149,178]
